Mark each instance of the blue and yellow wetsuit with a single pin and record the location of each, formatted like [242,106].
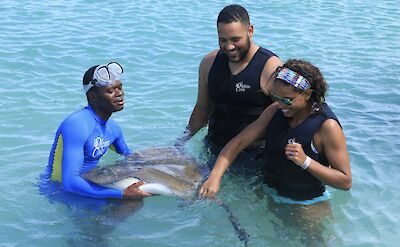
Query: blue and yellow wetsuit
[81,140]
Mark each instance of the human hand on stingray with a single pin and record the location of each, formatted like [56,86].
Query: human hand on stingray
[133,191]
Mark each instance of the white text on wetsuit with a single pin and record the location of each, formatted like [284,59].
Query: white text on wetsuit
[241,87]
[99,146]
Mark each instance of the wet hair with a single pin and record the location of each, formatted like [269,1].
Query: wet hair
[233,13]
[314,77]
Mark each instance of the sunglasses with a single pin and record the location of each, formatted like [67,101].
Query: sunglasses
[285,101]
[105,75]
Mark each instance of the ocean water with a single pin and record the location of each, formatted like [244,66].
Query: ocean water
[46,46]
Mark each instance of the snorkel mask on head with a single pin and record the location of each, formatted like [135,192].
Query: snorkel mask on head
[105,75]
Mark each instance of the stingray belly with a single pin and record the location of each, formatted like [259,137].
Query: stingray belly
[153,188]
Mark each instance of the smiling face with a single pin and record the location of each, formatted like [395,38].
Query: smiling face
[234,40]
[109,99]
[284,94]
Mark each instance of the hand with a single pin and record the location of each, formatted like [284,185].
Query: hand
[133,192]
[179,144]
[295,153]
[181,141]
[210,187]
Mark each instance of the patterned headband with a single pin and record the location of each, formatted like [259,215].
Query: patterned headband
[293,78]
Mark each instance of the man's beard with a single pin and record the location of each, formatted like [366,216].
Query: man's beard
[242,52]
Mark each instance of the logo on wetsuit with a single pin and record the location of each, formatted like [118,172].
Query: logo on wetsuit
[241,87]
[99,146]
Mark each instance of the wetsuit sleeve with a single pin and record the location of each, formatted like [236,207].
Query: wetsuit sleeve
[75,135]
[119,144]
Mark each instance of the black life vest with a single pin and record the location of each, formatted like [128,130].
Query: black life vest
[284,175]
[238,98]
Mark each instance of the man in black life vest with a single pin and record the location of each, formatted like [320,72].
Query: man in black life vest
[230,79]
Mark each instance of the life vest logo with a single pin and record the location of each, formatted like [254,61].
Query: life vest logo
[99,146]
[241,87]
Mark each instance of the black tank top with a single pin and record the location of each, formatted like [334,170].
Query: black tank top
[238,98]
[289,179]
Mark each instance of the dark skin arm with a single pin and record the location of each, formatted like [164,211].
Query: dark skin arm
[331,141]
[133,192]
[228,154]
[204,105]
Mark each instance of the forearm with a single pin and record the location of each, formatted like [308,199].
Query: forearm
[229,153]
[198,120]
[119,144]
[226,157]
[121,147]
[74,183]
[333,140]
[330,176]
[221,165]
[211,186]
[82,187]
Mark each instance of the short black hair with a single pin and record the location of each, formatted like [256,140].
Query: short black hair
[233,13]
[88,76]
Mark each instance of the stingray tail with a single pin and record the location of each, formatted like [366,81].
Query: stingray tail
[239,230]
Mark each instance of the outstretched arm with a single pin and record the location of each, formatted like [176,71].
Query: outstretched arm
[229,153]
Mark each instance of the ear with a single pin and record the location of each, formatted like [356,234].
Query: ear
[91,95]
[251,30]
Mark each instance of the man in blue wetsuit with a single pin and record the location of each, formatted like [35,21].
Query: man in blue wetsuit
[86,135]
[230,78]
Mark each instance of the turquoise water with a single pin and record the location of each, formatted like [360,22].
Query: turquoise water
[46,46]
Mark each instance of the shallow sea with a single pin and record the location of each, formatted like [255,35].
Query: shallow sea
[46,46]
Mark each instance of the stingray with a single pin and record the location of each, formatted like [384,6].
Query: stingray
[165,171]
